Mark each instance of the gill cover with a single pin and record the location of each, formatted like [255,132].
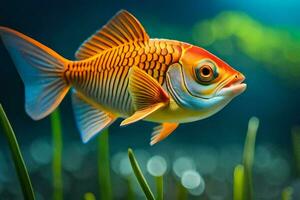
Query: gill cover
[177,85]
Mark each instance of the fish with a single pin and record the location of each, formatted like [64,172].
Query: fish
[119,72]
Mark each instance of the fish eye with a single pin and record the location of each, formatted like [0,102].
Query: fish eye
[205,72]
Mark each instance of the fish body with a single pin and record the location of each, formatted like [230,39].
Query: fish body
[104,77]
[121,72]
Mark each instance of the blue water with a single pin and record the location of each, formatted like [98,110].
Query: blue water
[64,25]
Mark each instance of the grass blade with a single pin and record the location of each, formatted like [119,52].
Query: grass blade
[159,180]
[57,155]
[182,193]
[130,191]
[248,157]
[238,182]
[139,175]
[103,166]
[287,193]
[17,156]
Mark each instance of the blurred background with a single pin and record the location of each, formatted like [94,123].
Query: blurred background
[259,38]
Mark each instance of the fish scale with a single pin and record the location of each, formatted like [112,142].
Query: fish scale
[112,67]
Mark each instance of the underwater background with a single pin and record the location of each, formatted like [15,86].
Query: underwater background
[259,38]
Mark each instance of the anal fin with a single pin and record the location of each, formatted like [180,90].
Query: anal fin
[162,131]
[90,119]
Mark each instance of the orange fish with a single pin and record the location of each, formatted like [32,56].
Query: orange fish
[121,72]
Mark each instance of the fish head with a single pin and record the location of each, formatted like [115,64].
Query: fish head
[202,81]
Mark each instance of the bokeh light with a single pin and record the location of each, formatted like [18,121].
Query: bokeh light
[206,160]
[191,179]
[125,167]
[41,151]
[157,166]
[181,164]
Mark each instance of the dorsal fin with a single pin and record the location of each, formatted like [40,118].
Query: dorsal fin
[121,29]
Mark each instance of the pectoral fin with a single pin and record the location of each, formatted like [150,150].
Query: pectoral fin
[162,131]
[90,119]
[147,95]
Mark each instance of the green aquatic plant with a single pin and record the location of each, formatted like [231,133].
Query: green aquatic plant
[287,193]
[157,167]
[103,166]
[24,179]
[182,193]
[139,175]
[130,191]
[243,183]
[159,182]
[238,182]
[89,196]
[248,156]
[57,155]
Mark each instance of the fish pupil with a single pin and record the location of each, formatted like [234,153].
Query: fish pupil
[205,71]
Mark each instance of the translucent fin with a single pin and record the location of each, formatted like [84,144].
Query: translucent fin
[147,95]
[41,70]
[145,90]
[121,29]
[90,119]
[162,131]
[141,114]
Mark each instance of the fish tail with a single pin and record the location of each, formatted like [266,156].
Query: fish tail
[42,71]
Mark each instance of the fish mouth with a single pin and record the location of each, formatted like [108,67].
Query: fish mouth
[234,86]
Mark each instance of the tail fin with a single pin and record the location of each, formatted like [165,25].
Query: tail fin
[42,71]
